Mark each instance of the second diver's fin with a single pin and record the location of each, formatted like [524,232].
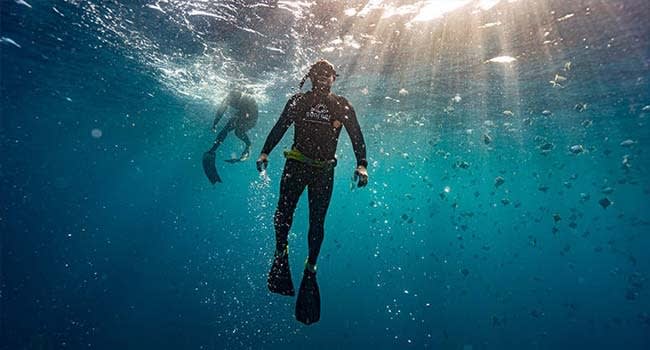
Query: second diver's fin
[308,303]
[210,168]
[279,280]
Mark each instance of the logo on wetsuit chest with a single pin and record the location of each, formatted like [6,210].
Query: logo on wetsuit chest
[319,114]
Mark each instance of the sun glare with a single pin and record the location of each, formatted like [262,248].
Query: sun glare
[435,9]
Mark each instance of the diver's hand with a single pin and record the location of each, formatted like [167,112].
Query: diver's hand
[262,162]
[361,175]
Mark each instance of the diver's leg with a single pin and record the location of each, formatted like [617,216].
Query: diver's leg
[241,134]
[292,185]
[230,126]
[320,193]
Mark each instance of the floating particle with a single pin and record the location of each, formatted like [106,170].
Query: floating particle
[586,123]
[556,217]
[627,143]
[646,108]
[505,201]
[403,92]
[577,149]
[96,133]
[461,164]
[584,197]
[4,39]
[498,181]
[580,107]
[508,113]
[546,112]
[605,202]
[457,98]
[625,164]
[546,147]
[567,66]
[558,78]
[23,2]
[487,139]
[501,59]
[490,24]
[607,190]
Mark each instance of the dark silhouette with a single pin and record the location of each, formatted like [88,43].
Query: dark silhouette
[318,116]
[244,119]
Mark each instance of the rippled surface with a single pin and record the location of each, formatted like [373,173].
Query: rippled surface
[508,196]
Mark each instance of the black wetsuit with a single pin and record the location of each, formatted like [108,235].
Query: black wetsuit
[318,119]
[244,119]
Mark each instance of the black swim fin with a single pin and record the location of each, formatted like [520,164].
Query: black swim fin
[279,280]
[308,303]
[210,168]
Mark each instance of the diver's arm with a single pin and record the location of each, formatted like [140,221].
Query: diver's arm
[354,131]
[358,144]
[286,119]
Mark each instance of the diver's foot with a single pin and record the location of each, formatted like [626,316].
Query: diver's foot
[279,280]
[308,303]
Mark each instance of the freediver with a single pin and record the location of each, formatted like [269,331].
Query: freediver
[244,119]
[318,116]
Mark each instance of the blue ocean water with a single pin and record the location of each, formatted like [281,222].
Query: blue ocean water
[495,132]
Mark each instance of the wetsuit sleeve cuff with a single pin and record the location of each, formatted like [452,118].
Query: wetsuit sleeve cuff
[362,162]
